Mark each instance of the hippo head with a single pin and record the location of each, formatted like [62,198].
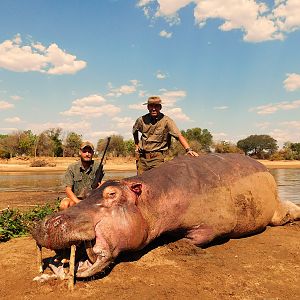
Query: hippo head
[108,221]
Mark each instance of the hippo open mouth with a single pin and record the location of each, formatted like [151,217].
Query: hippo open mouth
[61,231]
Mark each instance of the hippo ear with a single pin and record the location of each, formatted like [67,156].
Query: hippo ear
[136,187]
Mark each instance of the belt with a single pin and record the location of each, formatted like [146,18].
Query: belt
[151,154]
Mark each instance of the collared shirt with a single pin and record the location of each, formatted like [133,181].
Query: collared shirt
[156,133]
[78,178]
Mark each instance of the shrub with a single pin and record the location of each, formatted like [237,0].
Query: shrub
[38,163]
[14,223]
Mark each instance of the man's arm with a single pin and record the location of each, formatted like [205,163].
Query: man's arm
[186,146]
[71,195]
[136,140]
[174,131]
[135,133]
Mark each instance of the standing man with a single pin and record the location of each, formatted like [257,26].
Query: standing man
[80,176]
[156,130]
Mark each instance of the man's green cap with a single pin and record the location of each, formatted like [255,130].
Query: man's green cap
[86,144]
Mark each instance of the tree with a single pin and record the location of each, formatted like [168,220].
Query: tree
[10,145]
[291,151]
[296,148]
[72,144]
[260,146]
[226,147]
[4,153]
[44,145]
[55,135]
[129,147]
[26,142]
[203,137]
[116,146]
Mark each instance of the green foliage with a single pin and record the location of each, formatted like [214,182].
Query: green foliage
[72,144]
[44,145]
[14,223]
[129,147]
[26,142]
[226,147]
[259,146]
[11,224]
[49,143]
[116,146]
[9,145]
[54,135]
[290,151]
[202,136]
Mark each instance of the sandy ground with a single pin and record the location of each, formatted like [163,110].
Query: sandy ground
[262,266]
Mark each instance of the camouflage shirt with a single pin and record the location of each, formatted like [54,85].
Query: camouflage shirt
[156,132]
[78,178]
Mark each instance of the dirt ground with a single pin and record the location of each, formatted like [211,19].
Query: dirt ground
[263,266]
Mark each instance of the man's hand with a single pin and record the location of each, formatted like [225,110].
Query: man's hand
[191,152]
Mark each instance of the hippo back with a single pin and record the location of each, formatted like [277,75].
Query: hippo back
[231,193]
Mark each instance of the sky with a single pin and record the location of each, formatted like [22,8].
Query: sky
[232,67]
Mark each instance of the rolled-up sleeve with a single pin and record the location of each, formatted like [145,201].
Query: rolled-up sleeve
[172,128]
[68,179]
[137,126]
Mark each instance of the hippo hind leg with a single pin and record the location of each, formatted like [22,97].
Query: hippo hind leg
[200,235]
[286,211]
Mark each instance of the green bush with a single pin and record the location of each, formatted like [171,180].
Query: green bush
[14,223]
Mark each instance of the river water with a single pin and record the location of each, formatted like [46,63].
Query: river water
[288,181]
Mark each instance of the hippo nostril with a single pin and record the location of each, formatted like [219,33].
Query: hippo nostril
[90,252]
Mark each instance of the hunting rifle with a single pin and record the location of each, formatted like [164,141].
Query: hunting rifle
[99,173]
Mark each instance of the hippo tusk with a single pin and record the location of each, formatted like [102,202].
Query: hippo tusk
[39,258]
[90,252]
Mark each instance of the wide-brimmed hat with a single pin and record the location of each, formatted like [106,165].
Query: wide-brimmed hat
[86,144]
[153,100]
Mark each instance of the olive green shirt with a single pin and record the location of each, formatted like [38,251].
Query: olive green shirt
[156,133]
[78,178]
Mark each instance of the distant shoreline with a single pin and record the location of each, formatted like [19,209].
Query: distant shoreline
[281,164]
[60,164]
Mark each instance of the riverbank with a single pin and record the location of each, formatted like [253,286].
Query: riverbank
[60,164]
[57,164]
[281,164]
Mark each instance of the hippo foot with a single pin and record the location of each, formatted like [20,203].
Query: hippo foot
[44,277]
[59,271]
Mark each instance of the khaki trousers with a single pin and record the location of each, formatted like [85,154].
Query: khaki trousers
[145,164]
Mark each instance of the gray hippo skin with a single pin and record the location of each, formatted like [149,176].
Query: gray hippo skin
[204,197]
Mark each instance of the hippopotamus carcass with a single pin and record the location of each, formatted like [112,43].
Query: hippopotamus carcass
[204,197]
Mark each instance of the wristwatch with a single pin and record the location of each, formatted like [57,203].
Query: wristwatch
[188,149]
